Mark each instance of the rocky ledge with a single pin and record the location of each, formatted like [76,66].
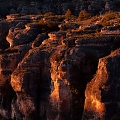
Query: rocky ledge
[51,69]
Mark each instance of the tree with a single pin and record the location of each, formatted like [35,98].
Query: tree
[83,15]
[68,13]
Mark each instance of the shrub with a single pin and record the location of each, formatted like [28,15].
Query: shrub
[95,18]
[110,16]
[84,15]
[47,26]
[49,14]
[68,13]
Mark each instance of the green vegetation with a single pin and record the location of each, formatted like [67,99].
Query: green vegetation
[95,18]
[46,25]
[84,15]
[49,14]
[68,13]
[110,17]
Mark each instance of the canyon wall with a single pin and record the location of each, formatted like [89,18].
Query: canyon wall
[57,68]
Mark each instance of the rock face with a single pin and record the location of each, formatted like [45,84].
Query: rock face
[102,97]
[37,74]
[39,39]
[19,35]
[11,28]
[51,77]
[4,28]
[47,63]
[9,62]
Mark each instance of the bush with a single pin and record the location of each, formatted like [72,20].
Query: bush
[47,26]
[68,13]
[84,15]
[49,14]
[95,18]
[110,16]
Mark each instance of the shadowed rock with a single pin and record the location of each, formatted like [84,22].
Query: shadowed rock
[44,71]
[37,42]
[18,35]
[102,97]
[8,63]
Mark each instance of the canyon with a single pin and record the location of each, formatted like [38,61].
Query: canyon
[55,66]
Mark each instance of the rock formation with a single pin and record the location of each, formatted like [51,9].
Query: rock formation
[54,67]
[102,96]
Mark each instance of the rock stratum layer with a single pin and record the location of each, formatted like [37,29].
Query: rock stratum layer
[53,68]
